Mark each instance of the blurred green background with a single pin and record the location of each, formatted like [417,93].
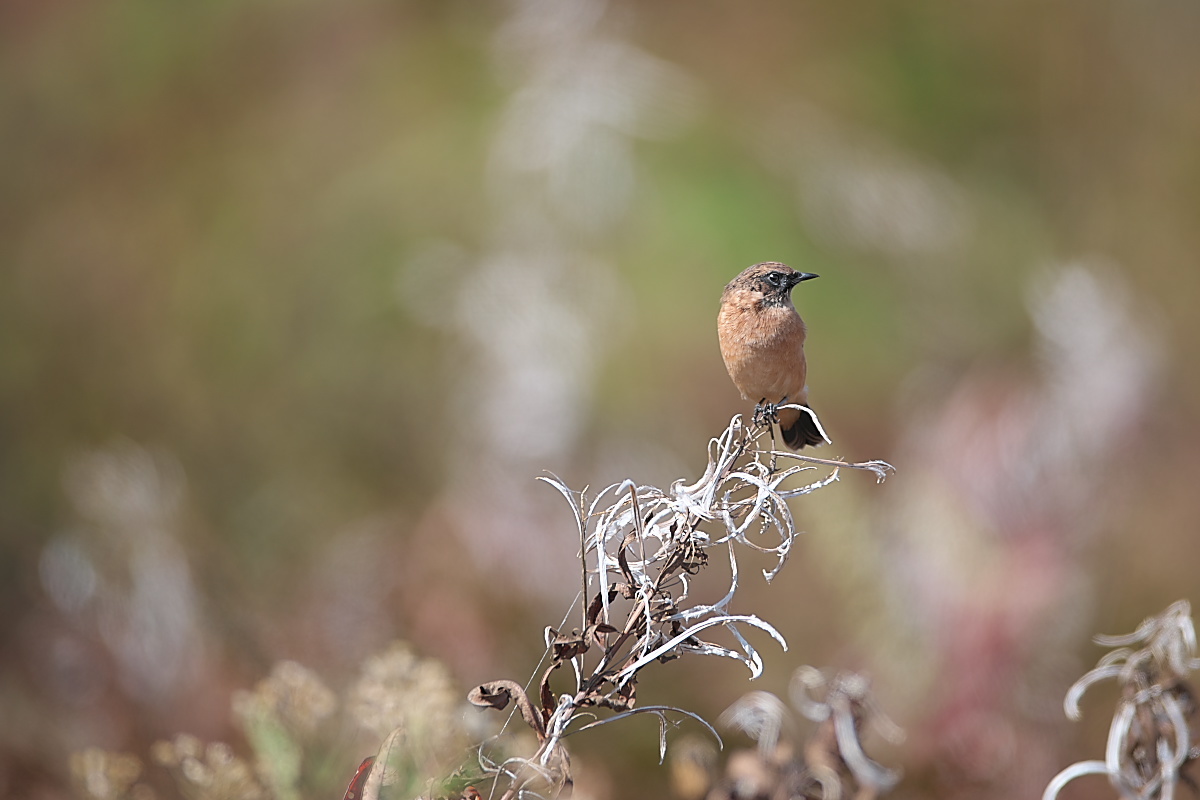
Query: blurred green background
[298,298]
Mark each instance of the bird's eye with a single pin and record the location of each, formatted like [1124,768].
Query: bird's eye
[775,278]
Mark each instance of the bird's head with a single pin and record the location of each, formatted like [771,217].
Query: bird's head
[767,284]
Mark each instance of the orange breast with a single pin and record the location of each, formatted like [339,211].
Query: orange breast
[763,349]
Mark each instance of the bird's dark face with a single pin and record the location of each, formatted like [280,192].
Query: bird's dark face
[770,284]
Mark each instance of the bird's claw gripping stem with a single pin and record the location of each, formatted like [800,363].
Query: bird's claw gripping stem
[767,413]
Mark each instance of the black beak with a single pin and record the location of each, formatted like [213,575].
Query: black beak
[803,276]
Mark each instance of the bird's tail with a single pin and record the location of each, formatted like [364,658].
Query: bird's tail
[803,430]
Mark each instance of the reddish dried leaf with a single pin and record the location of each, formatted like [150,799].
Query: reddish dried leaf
[355,789]
[547,694]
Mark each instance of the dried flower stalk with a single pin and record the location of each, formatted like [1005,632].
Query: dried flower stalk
[832,763]
[1149,741]
[640,546]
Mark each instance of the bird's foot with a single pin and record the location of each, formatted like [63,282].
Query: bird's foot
[767,413]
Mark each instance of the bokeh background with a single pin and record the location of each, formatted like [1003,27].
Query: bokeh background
[298,299]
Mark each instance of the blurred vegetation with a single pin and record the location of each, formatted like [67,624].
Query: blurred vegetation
[261,286]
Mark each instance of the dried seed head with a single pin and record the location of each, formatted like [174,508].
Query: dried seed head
[292,695]
[398,689]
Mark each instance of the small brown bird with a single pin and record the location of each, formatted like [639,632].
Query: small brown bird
[762,343]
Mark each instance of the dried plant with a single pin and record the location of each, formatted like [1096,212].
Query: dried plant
[277,716]
[835,753]
[1150,740]
[832,764]
[414,702]
[101,775]
[285,719]
[293,697]
[640,547]
[398,689]
[208,772]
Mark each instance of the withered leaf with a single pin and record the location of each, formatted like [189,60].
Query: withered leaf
[625,697]
[546,693]
[622,559]
[497,694]
[569,645]
[597,605]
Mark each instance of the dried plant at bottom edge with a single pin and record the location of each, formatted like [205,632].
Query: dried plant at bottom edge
[640,547]
[283,718]
[1150,739]
[832,764]
[102,775]
[209,772]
